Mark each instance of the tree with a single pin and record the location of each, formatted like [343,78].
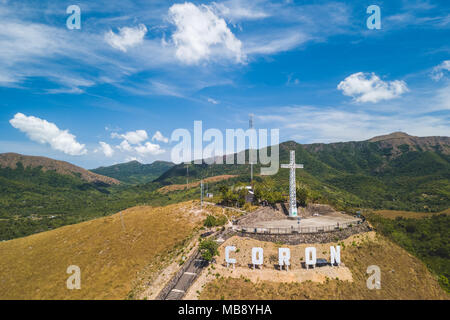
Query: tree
[208,249]
[302,195]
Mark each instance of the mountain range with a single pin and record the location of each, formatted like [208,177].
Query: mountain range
[395,171]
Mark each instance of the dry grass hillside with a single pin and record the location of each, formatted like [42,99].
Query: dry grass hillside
[392,214]
[396,139]
[402,275]
[10,160]
[176,187]
[110,254]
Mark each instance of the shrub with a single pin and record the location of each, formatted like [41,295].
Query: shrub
[208,249]
[210,221]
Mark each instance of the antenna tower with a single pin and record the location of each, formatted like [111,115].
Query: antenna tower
[250,124]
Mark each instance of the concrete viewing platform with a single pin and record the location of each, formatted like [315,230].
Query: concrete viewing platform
[314,218]
[335,219]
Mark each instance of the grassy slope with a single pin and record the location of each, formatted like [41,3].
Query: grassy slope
[427,238]
[402,277]
[110,258]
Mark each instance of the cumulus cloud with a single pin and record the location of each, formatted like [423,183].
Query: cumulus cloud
[132,137]
[124,146]
[439,71]
[128,37]
[45,132]
[158,136]
[107,150]
[149,149]
[201,35]
[368,87]
[134,144]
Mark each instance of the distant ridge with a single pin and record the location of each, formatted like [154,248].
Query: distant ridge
[398,142]
[10,160]
[393,135]
[134,172]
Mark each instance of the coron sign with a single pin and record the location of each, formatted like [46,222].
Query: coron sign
[284,256]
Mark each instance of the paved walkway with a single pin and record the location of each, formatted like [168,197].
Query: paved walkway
[188,277]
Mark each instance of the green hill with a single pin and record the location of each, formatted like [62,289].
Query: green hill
[134,172]
[395,171]
[39,194]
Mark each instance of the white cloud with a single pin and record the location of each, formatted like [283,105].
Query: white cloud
[128,37]
[292,80]
[106,149]
[442,99]
[368,87]
[275,42]
[236,10]
[201,35]
[311,124]
[43,132]
[158,136]
[129,158]
[149,149]
[124,146]
[213,101]
[133,137]
[137,138]
[439,71]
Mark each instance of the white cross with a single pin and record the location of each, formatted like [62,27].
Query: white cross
[292,183]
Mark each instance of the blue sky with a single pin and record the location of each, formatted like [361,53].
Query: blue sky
[116,89]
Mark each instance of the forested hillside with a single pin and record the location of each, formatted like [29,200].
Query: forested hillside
[134,172]
[396,171]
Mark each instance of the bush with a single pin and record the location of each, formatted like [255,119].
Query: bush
[210,221]
[208,249]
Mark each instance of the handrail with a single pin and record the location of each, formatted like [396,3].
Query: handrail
[292,230]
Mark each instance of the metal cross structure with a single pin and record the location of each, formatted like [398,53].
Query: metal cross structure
[250,125]
[292,184]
